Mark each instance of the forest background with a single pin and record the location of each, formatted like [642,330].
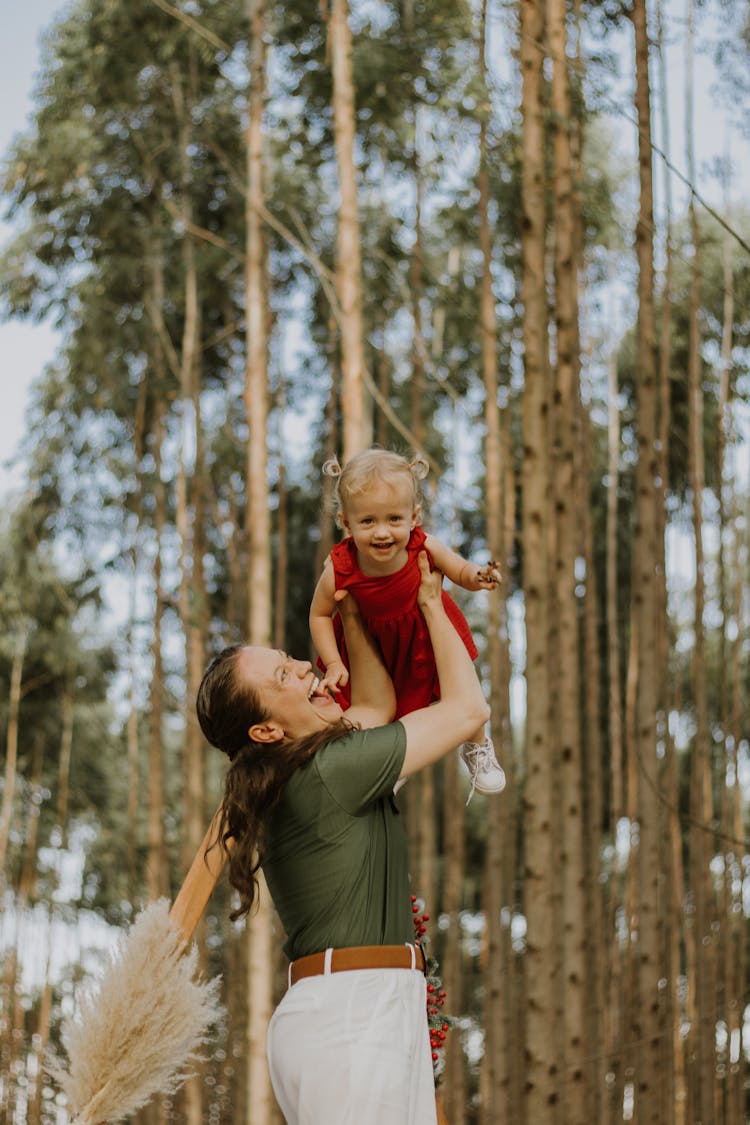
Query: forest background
[266,232]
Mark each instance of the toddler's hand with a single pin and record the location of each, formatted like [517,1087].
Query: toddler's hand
[475,577]
[489,576]
[336,676]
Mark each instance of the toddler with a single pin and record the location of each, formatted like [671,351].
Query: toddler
[378,496]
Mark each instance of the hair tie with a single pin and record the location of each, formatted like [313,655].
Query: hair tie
[420,466]
[331,468]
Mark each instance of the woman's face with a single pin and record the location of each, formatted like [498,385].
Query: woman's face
[288,690]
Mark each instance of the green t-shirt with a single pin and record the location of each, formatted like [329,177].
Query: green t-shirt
[337,860]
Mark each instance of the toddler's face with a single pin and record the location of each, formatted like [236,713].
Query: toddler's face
[380,521]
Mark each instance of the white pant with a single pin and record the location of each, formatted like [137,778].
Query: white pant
[353,1048]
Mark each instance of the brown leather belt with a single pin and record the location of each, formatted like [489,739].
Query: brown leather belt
[358,957]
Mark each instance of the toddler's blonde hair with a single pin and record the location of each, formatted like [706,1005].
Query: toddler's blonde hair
[374,466]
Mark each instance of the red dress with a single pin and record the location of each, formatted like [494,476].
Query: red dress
[388,605]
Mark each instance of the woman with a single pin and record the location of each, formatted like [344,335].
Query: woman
[309,797]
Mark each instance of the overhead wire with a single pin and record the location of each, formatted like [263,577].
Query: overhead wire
[654,147]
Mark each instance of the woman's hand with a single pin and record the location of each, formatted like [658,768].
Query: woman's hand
[430,592]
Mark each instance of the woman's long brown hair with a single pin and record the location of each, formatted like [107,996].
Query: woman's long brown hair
[257,773]
[253,787]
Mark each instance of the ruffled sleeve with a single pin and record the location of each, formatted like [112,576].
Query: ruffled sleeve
[417,541]
[344,562]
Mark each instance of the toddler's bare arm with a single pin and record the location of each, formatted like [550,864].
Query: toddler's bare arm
[469,575]
[322,608]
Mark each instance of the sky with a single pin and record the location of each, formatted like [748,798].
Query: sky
[26,348]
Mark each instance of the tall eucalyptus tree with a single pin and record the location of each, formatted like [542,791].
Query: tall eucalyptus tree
[648,1025]
[565,433]
[540,973]
[259,934]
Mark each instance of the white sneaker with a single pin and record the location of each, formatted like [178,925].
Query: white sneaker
[486,773]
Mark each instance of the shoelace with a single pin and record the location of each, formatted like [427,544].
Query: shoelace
[478,755]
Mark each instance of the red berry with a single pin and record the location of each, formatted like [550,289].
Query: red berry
[425,917]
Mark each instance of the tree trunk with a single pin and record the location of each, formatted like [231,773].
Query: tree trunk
[496,1097]
[673,1091]
[613,952]
[542,1039]
[598,934]
[157,881]
[418,801]
[259,941]
[592,763]
[325,526]
[417,388]
[614,680]
[453,1090]
[189,520]
[10,1027]
[281,569]
[66,750]
[701,803]
[28,880]
[732,609]
[566,437]
[738,942]
[421,797]
[41,1042]
[131,730]
[11,739]
[648,1020]
[676,931]
[383,373]
[15,1053]
[357,430]
[134,653]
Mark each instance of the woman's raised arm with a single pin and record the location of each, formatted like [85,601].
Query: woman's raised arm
[433,731]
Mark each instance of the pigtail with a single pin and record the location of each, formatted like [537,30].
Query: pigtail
[419,466]
[331,499]
[332,468]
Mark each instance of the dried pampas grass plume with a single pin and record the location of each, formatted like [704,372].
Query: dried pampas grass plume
[138,1030]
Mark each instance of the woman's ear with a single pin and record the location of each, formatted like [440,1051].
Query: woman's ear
[267,731]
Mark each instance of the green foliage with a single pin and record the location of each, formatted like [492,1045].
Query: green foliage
[54,607]
[710,327]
